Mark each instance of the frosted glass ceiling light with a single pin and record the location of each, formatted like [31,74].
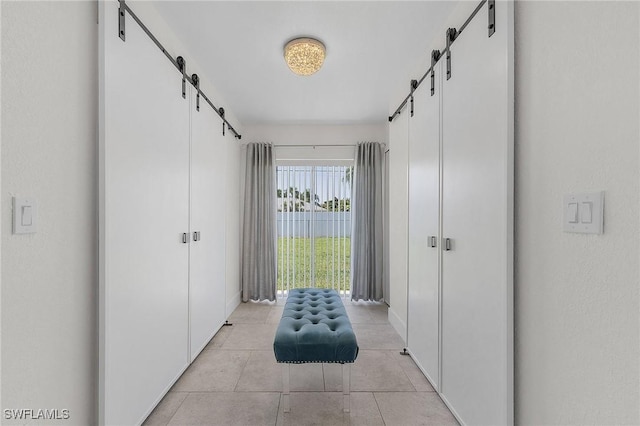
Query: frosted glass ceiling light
[304,56]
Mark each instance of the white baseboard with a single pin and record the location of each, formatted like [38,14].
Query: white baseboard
[233,303]
[398,324]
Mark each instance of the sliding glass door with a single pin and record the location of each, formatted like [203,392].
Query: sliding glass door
[314,227]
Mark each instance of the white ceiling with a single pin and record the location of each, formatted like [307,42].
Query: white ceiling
[370,47]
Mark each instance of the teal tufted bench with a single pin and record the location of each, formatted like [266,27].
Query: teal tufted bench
[315,328]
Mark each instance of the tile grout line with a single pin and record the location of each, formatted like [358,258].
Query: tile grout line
[176,411]
[278,410]
[378,407]
[388,354]
[324,380]
[242,371]
[271,310]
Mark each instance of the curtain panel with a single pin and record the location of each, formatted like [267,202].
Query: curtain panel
[366,234]
[259,255]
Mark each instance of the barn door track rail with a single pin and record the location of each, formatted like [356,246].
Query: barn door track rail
[451,35]
[178,62]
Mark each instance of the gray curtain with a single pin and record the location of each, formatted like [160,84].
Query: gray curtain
[366,219]
[259,257]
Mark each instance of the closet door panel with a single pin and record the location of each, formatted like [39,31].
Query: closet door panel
[207,254]
[424,211]
[477,215]
[144,160]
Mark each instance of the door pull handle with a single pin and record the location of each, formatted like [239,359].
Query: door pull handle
[447,244]
[433,241]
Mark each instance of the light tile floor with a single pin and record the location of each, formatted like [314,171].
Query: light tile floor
[236,380]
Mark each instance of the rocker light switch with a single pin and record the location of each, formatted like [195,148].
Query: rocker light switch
[572,213]
[584,213]
[27,217]
[24,215]
[586,210]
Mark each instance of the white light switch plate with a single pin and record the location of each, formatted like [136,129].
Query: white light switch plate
[583,213]
[25,214]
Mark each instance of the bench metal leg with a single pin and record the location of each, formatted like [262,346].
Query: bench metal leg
[285,387]
[346,386]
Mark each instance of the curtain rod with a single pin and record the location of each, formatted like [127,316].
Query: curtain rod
[445,50]
[178,62]
[324,146]
[314,146]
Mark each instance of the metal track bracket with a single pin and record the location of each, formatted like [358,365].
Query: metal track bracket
[492,16]
[414,86]
[452,33]
[196,83]
[121,12]
[435,56]
[182,66]
[221,113]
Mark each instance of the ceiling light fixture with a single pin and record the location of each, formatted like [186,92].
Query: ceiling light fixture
[304,55]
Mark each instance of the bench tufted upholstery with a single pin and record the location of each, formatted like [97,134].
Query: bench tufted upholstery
[315,328]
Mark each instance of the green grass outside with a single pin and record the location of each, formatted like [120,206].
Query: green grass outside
[332,263]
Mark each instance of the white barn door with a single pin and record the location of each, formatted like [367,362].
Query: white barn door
[207,262]
[424,219]
[477,214]
[144,207]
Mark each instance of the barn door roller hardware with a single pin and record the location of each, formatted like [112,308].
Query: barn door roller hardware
[221,112]
[492,17]
[435,56]
[414,85]
[182,66]
[178,62]
[196,83]
[121,10]
[451,36]
[492,29]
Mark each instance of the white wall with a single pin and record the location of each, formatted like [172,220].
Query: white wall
[0,214]
[1,405]
[315,143]
[576,304]
[49,149]
[315,134]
